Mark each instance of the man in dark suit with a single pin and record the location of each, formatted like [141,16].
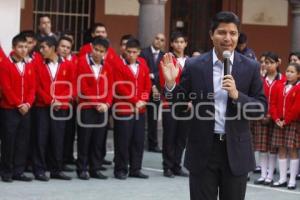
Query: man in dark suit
[219,153]
[153,56]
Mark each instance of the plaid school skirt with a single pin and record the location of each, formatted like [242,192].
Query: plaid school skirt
[262,136]
[288,137]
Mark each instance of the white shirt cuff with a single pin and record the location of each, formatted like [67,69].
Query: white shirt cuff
[170,89]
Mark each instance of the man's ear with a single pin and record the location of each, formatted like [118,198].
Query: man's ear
[210,34]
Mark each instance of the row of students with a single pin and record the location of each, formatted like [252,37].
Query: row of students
[277,133]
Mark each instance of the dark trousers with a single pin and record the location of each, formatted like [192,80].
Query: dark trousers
[129,135]
[174,141]
[152,117]
[49,140]
[15,141]
[105,136]
[217,178]
[70,138]
[90,140]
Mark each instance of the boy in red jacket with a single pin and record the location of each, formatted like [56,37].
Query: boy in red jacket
[131,94]
[18,92]
[54,93]
[95,80]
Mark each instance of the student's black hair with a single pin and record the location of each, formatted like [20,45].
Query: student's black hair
[273,57]
[17,39]
[224,17]
[96,25]
[133,43]
[296,65]
[65,38]
[242,38]
[126,37]
[177,34]
[44,15]
[50,41]
[100,41]
[28,33]
[294,54]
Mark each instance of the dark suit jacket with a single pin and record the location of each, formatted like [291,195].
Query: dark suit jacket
[197,78]
[153,66]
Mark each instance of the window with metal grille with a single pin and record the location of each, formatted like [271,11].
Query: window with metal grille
[66,15]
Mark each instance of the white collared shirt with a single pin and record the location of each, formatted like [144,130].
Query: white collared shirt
[96,69]
[53,66]
[134,68]
[220,95]
[181,61]
[21,66]
[154,51]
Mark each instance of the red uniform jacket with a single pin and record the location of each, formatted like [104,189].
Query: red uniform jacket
[92,89]
[62,84]
[17,87]
[283,105]
[73,60]
[130,88]
[268,88]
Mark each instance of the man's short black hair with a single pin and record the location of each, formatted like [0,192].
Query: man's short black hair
[126,37]
[65,38]
[44,15]
[18,38]
[100,41]
[28,34]
[133,43]
[177,34]
[96,25]
[50,41]
[242,38]
[224,17]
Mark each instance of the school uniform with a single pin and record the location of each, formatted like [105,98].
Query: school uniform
[110,57]
[17,81]
[129,125]
[261,131]
[285,106]
[54,83]
[284,103]
[96,82]
[174,131]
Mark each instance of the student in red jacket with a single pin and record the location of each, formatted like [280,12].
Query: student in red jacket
[17,79]
[54,94]
[132,89]
[262,129]
[95,82]
[64,50]
[285,112]
[174,131]
[99,30]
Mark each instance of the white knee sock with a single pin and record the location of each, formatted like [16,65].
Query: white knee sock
[282,170]
[294,170]
[271,165]
[263,157]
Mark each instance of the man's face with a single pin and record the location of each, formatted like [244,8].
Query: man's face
[45,25]
[179,45]
[64,48]
[100,31]
[242,46]
[98,53]
[21,49]
[31,42]
[159,41]
[46,51]
[132,54]
[225,37]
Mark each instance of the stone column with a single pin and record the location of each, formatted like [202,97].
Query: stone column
[151,20]
[296,25]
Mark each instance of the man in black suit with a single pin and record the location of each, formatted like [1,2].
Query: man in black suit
[153,56]
[219,153]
